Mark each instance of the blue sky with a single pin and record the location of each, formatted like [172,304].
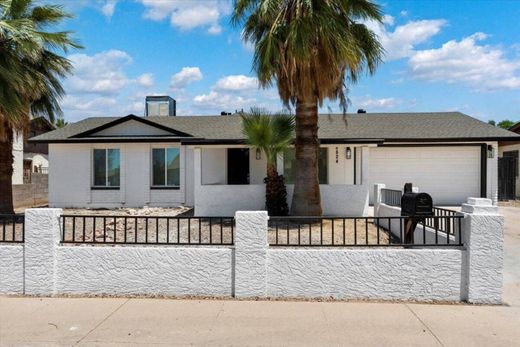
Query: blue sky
[441,56]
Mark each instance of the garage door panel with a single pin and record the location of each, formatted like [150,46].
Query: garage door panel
[449,174]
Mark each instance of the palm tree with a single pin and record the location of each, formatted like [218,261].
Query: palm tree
[271,134]
[311,49]
[31,71]
[60,122]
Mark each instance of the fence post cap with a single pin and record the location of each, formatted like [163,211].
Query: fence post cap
[479,206]
[251,213]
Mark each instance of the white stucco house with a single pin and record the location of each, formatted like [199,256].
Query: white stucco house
[202,161]
[28,157]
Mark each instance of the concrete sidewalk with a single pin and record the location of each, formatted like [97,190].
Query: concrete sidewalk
[71,321]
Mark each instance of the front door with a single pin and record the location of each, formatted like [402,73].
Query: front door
[238,166]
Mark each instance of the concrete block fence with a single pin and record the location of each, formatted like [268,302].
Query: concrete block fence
[250,268]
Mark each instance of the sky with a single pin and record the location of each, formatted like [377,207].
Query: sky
[440,56]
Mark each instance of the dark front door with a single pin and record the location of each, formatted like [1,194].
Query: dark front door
[507,173]
[238,166]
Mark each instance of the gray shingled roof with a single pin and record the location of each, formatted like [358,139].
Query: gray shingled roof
[441,126]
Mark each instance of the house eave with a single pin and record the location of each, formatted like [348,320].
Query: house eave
[112,140]
[454,139]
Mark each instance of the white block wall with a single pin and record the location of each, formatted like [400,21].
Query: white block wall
[11,269]
[176,271]
[253,269]
[386,274]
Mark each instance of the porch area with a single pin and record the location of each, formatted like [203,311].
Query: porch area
[230,178]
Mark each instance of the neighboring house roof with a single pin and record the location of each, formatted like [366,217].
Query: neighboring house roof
[515,128]
[333,128]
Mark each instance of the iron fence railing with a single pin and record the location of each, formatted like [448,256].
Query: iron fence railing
[358,231]
[447,225]
[12,228]
[143,230]
[391,197]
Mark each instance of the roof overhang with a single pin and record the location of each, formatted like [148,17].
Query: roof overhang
[455,139]
[163,139]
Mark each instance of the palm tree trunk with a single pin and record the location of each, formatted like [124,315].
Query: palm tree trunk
[6,171]
[306,199]
[275,192]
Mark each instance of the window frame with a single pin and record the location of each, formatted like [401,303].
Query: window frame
[106,186]
[165,186]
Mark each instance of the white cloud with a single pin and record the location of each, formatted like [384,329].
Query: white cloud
[481,67]
[95,106]
[237,83]
[184,77]
[187,15]
[224,102]
[215,29]
[101,73]
[373,104]
[388,20]
[401,42]
[108,8]
[146,80]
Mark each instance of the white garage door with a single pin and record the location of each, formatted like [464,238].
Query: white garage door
[449,174]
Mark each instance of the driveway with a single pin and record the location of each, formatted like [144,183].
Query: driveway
[512,255]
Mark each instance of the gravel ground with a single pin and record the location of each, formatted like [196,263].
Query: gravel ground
[151,225]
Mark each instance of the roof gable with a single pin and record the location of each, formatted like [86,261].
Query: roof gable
[131,126]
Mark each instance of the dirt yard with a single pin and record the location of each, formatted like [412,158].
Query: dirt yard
[155,225]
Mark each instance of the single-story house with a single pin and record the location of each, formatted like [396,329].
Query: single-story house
[202,161]
[509,179]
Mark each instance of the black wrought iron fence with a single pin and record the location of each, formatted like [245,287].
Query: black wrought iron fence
[391,197]
[358,231]
[144,230]
[12,228]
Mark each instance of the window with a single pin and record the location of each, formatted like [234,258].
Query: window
[158,108]
[165,167]
[106,167]
[289,166]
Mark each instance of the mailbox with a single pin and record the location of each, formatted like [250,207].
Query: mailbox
[416,205]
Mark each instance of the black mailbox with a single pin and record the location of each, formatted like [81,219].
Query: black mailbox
[416,204]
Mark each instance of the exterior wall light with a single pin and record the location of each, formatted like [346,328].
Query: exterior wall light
[349,153]
[491,151]
[258,154]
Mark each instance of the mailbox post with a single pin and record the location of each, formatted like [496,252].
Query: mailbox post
[416,207]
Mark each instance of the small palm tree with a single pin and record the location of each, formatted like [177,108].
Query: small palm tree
[271,134]
[60,122]
[31,74]
[311,49]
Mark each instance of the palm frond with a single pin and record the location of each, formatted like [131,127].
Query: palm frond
[271,133]
[31,67]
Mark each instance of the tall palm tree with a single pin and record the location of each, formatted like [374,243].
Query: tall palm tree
[311,49]
[31,71]
[271,134]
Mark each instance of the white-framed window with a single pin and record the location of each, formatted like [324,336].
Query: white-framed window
[106,167]
[166,167]
[289,162]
